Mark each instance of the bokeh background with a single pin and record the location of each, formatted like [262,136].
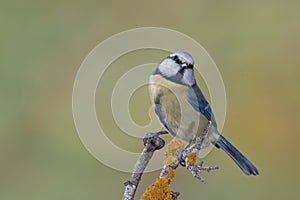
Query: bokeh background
[255,44]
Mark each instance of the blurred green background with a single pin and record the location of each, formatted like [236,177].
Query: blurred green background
[255,44]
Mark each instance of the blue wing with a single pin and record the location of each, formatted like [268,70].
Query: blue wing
[199,103]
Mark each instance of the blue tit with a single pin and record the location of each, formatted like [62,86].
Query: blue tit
[182,108]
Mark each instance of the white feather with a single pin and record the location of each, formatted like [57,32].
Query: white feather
[168,67]
[188,77]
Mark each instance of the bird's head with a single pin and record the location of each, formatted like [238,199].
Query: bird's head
[178,67]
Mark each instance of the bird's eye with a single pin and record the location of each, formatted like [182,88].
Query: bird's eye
[177,60]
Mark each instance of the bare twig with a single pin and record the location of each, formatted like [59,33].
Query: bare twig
[175,195]
[152,142]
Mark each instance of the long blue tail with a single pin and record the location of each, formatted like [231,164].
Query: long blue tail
[245,165]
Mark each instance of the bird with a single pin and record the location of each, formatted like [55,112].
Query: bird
[183,110]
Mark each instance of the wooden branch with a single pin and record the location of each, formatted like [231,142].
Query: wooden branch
[152,142]
[177,156]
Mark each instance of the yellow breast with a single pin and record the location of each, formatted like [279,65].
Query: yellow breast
[174,110]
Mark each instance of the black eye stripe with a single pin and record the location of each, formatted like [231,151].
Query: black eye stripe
[190,66]
[178,61]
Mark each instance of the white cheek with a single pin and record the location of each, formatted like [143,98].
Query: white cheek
[188,77]
[168,68]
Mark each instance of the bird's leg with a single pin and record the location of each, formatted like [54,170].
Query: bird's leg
[195,145]
[181,151]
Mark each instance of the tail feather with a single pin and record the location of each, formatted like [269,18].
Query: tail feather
[246,166]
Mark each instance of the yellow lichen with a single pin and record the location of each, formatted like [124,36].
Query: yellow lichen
[191,158]
[170,154]
[158,190]
[171,174]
